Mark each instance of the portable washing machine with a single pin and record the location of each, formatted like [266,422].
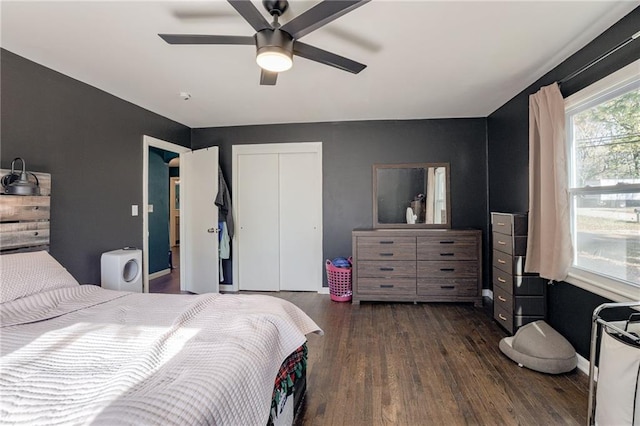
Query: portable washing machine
[122,270]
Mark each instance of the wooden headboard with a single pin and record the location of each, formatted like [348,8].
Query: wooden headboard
[24,219]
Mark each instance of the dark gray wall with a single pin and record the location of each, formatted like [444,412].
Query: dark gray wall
[349,149]
[91,143]
[159,218]
[570,308]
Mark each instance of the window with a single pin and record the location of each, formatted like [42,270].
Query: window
[603,136]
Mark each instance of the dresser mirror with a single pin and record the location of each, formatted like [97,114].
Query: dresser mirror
[411,195]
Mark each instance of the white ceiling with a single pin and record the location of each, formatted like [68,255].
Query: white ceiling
[426,59]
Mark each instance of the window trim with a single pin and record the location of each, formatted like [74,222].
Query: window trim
[610,288]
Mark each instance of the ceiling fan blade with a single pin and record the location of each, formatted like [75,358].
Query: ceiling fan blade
[250,14]
[319,15]
[207,39]
[268,78]
[327,58]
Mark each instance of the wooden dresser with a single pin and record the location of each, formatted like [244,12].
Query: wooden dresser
[417,265]
[518,297]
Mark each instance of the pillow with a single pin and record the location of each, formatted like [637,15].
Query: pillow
[23,274]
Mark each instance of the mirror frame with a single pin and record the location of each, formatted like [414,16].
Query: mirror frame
[376,167]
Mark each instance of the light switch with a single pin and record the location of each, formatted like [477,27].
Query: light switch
[150,208]
[134,210]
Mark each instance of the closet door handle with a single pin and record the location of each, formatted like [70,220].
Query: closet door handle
[212,230]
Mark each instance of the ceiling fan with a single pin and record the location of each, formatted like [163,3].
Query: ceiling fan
[276,44]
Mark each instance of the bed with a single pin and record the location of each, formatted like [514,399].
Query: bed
[80,354]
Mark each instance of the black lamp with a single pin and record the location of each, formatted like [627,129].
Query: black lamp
[19,183]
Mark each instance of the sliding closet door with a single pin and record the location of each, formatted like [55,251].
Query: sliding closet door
[300,220]
[257,225]
[278,201]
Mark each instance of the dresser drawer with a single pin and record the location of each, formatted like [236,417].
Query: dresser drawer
[519,285]
[371,268]
[462,247]
[504,318]
[502,299]
[502,223]
[381,248]
[502,279]
[387,286]
[509,223]
[451,269]
[502,243]
[451,287]
[516,246]
[511,264]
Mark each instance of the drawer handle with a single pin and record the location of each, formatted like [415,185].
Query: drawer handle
[386,285]
[502,280]
[450,287]
[502,317]
[35,234]
[502,261]
[500,224]
[447,242]
[386,242]
[386,254]
[502,299]
[447,269]
[386,269]
[447,254]
[502,243]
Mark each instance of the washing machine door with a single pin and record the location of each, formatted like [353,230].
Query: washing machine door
[131,271]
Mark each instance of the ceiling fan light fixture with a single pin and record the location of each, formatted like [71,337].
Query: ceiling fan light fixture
[274,58]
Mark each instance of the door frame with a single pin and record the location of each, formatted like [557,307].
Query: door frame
[147,142]
[274,148]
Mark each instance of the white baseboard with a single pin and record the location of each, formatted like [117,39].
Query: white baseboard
[323,290]
[227,288]
[584,364]
[159,273]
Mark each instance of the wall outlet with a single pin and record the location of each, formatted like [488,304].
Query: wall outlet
[150,210]
[134,210]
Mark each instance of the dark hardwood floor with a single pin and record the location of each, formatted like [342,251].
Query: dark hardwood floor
[424,364]
[169,283]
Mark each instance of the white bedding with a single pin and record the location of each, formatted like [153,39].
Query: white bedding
[82,354]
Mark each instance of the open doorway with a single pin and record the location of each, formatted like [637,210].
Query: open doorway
[164,221]
[161,215]
[198,249]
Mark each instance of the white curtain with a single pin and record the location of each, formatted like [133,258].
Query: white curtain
[549,250]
